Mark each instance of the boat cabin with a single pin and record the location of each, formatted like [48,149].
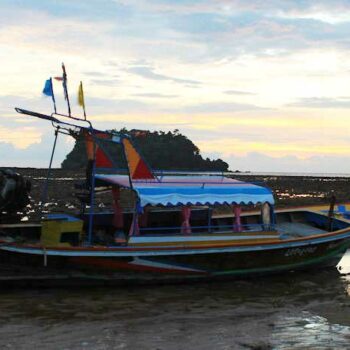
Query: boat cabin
[183,205]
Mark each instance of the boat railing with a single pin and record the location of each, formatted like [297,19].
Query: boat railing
[160,174]
[234,229]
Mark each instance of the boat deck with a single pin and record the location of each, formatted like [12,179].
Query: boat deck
[297,229]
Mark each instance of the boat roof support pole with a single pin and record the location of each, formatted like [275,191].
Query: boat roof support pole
[134,228]
[127,164]
[273,216]
[45,189]
[210,211]
[186,216]
[237,224]
[92,197]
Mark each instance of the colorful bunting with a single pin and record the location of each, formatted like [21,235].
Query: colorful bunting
[139,170]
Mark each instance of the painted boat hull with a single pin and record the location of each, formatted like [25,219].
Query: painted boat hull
[149,265]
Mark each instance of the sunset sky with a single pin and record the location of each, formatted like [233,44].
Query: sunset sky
[264,85]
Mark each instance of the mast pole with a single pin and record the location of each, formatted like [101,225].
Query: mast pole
[65,88]
[45,189]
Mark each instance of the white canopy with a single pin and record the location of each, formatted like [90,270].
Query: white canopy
[191,190]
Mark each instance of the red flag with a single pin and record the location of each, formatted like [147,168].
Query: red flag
[102,160]
[58,78]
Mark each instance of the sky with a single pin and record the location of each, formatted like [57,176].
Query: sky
[264,85]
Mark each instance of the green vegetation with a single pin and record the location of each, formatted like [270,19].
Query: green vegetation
[161,150]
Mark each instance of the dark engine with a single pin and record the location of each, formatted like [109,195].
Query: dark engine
[14,191]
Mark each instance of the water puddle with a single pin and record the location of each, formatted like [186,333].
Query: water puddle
[309,331]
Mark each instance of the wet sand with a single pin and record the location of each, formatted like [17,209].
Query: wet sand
[293,311]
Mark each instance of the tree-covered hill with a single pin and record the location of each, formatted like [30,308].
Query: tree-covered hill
[162,150]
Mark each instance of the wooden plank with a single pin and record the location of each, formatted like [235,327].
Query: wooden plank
[19,225]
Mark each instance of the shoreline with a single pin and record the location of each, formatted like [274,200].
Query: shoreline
[184,172]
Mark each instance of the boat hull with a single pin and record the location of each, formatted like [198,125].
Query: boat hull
[127,265]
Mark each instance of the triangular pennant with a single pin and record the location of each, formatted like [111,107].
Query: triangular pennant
[142,171]
[137,167]
[102,160]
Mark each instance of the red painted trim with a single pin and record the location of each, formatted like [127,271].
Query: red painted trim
[111,264]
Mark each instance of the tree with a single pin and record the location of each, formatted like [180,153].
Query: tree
[161,150]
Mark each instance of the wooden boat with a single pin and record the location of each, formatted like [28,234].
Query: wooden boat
[299,239]
[172,229]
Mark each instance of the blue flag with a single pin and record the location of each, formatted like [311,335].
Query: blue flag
[48,91]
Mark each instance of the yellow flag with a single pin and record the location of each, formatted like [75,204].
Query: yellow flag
[81,99]
[81,96]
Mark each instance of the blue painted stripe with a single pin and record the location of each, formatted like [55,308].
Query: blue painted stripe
[182,238]
[113,253]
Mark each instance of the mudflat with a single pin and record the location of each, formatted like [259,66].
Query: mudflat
[288,190]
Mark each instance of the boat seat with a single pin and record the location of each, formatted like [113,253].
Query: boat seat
[341,208]
[61,230]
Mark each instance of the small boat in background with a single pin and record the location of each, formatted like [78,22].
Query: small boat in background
[344,264]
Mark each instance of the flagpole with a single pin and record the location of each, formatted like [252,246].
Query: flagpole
[53,96]
[65,88]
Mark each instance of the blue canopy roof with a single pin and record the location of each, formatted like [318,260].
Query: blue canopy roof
[192,190]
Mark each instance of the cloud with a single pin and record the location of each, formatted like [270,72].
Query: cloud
[148,73]
[116,106]
[302,148]
[105,82]
[8,115]
[95,74]
[154,95]
[86,10]
[260,162]
[238,92]
[322,102]
[36,154]
[322,10]
[20,138]
[199,32]
[218,107]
